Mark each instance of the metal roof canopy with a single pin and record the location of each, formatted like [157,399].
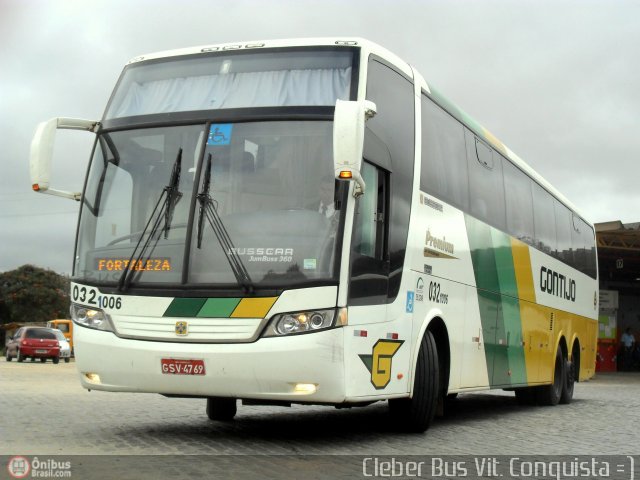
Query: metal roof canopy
[619,252]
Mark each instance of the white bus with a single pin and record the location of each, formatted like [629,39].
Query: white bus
[309,221]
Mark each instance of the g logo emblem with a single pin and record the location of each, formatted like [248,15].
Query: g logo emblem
[379,362]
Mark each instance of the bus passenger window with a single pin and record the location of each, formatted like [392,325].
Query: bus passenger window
[486,190]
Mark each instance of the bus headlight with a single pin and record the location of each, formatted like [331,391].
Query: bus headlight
[91,318]
[304,322]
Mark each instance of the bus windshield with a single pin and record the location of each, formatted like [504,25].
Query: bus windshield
[270,187]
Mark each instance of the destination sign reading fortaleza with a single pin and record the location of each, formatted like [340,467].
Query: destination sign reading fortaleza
[147,265]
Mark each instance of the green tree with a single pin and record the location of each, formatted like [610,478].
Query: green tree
[32,294]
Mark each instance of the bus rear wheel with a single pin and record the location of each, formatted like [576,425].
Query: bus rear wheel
[221,408]
[569,382]
[551,394]
[415,414]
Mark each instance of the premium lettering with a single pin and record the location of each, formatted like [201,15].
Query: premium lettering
[439,243]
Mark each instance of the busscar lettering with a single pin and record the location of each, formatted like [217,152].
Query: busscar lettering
[261,251]
[557,284]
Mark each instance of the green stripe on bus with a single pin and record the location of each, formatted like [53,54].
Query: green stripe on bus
[509,322]
[184,307]
[219,307]
[497,288]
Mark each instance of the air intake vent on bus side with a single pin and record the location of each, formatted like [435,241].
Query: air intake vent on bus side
[551,322]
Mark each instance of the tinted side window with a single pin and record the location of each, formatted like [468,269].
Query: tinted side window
[517,190]
[583,243]
[564,251]
[544,220]
[444,157]
[486,192]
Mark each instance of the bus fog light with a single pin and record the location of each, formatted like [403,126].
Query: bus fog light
[92,377]
[305,388]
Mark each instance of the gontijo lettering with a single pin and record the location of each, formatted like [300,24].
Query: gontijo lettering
[557,284]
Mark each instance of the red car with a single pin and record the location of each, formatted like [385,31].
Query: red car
[34,342]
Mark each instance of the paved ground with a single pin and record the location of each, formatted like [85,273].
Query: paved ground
[43,411]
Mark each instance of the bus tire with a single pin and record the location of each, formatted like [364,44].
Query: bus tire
[415,414]
[551,394]
[221,408]
[569,382]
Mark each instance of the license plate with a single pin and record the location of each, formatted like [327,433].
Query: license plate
[173,366]
[42,351]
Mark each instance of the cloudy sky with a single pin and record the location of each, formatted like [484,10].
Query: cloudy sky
[557,81]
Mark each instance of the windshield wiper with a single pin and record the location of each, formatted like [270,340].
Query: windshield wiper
[173,194]
[164,208]
[208,209]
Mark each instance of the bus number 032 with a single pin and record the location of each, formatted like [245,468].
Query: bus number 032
[435,295]
[90,296]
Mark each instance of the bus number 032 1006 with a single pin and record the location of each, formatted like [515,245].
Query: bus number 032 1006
[91,296]
[435,295]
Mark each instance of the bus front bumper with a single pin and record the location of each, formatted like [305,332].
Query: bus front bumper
[298,368]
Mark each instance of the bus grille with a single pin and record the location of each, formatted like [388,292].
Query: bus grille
[196,330]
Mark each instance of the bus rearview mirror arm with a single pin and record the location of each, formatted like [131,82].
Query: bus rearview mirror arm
[348,140]
[42,153]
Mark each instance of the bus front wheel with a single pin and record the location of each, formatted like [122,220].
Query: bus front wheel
[415,414]
[221,408]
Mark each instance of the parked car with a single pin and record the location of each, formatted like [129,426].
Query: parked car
[65,347]
[34,342]
[66,327]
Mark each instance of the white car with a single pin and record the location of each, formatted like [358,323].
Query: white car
[65,348]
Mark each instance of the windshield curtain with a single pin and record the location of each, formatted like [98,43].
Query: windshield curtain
[271,187]
[223,81]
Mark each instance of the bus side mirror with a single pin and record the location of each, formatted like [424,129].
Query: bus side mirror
[42,152]
[348,139]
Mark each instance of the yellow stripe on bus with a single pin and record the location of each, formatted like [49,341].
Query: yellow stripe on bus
[522,267]
[254,307]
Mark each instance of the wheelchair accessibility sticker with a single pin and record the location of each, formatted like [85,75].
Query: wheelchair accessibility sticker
[410,301]
[220,134]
